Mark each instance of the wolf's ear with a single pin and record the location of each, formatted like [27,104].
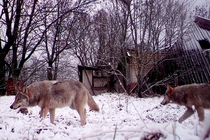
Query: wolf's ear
[20,85]
[25,91]
[169,89]
[20,88]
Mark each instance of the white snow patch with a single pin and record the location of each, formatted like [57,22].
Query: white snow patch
[120,117]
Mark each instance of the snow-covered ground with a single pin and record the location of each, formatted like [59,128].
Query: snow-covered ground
[120,117]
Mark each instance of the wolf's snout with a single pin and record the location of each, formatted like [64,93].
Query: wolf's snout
[11,107]
[163,103]
[14,107]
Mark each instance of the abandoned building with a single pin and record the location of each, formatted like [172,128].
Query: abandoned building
[186,62]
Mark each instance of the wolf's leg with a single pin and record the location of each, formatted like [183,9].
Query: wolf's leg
[200,111]
[43,112]
[52,115]
[79,104]
[187,114]
[83,116]
[82,113]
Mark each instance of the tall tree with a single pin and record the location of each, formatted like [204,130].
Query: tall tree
[9,22]
[59,36]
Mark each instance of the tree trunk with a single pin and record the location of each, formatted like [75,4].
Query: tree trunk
[49,73]
[2,75]
[139,86]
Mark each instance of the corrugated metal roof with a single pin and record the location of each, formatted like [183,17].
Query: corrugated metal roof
[193,58]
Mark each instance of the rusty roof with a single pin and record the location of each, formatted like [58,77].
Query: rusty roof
[203,23]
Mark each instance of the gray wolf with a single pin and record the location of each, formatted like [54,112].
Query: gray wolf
[197,95]
[49,95]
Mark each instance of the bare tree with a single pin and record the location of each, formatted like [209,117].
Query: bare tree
[9,22]
[23,31]
[82,39]
[102,38]
[202,10]
[53,42]
[60,36]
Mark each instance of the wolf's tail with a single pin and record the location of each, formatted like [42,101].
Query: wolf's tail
[92,104]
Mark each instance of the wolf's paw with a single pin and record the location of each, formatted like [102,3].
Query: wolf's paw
[53,123]
[23,111]
[41,115]
[180,120]
[41,119]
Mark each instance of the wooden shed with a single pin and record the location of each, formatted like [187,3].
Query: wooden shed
[96,79]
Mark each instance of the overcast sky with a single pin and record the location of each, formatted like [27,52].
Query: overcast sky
[201,2]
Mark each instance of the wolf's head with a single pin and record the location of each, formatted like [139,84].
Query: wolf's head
[168,95]
[21,100]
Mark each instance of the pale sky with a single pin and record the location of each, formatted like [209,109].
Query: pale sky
[201,2]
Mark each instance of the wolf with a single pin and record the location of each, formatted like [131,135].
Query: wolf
[197,95]
[49,95]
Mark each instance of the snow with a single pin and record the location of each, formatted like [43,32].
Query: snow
[120,117]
